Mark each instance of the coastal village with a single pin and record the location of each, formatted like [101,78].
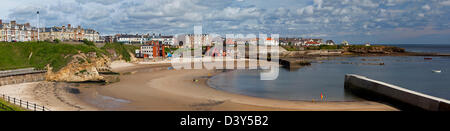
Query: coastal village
[84,55]
[232,64]
[151,45]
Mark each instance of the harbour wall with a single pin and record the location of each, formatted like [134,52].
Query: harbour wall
[21,76]
[395,95]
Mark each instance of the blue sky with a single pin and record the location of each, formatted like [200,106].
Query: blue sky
[357,21]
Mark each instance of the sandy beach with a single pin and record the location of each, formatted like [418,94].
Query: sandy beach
[156,87]
[54,96]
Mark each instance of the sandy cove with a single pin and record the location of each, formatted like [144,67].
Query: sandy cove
[154,87]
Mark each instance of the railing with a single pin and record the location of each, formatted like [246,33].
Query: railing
[24,104]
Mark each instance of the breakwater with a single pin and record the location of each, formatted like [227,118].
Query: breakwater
[407,99]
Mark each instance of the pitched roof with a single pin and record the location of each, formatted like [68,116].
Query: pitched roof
[312,42]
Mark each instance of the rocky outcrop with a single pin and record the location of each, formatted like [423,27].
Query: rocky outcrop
[82,68]
[374,49]
[295,54]
[346,50]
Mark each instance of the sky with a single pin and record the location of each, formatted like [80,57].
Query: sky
[357,21]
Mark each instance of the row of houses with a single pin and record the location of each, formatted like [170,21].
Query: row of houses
[14,32]
[69,33]
[186,40]
[139,38]
[305,42]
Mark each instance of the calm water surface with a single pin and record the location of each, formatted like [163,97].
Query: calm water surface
[327,77]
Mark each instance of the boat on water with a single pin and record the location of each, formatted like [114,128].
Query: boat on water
[437,71]
[427,58]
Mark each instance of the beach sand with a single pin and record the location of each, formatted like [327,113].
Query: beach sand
[54,96]
[155,88]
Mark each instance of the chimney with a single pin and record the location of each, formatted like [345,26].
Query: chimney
[68,26]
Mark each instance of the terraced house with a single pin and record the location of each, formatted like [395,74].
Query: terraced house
[13,32]
[69,33]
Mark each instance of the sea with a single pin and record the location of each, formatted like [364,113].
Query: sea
[324,79]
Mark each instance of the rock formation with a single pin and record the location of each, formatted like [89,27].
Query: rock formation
[375,49]
[82,68]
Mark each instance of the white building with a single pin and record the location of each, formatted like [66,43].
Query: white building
[147,51]
[130,39]
[13,32]
[166,40]
[345,43]
[270,41]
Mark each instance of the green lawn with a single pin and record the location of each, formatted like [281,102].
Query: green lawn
[5,106]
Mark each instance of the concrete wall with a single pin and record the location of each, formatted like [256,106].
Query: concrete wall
[358,84]
[17,79]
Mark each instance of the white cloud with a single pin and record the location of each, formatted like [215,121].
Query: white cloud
[318,3]
[421,15]
[426,7]
[446,3]
[309,10]
[178,16]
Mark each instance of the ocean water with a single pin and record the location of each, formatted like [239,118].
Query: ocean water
[427,48]
[326,77]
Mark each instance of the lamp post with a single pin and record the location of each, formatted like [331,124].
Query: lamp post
[38,24]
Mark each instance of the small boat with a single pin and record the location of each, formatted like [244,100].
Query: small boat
[437,71]
[427,58]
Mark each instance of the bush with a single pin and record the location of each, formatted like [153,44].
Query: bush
[56,41]
[87,42]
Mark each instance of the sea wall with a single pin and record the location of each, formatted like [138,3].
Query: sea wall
[24,78]
[366,87]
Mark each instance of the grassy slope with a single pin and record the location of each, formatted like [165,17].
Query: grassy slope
[9,107]
[16,55]
[121,49]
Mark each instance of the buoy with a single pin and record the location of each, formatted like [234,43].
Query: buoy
[437,71]
[321,96]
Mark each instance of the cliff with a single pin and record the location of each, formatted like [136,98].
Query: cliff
[83,67]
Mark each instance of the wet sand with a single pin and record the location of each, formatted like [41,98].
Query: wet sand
[155,88]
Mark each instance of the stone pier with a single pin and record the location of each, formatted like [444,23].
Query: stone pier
[395,95]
